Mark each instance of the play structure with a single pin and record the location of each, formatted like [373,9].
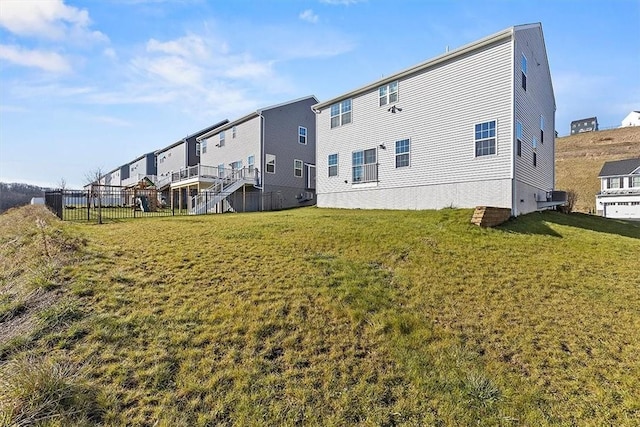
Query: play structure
[145,196]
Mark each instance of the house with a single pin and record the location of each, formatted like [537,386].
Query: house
[267,157]
[632,119]
[179,156]
[138,169]
[112,178]
[589,124]
[472,127]
[619,195]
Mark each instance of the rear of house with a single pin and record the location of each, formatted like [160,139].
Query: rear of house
[474,126]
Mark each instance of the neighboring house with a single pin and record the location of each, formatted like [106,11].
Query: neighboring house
[269,152]
[619,195]
[472,127]
[584,125]
[112,178]
[632,119]
[180,156]
[138,169]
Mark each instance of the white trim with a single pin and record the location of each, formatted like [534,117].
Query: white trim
[474,138]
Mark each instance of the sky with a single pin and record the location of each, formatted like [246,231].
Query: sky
[91,85]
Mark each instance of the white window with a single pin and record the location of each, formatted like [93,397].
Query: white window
[198,149]
[364,166]
[634,181]
[270,163]
[297,168]
[203,146]
[221,170]
[341,113]
[519,138]
[332,161]
[251,161]
[541,129]
[302,135]
[233,132]
[614,182]
[222,138]
[402,153]
[524,72]
[485,138]
[388,94]
[534,143]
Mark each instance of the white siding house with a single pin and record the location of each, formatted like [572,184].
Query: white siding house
[632,119]
[474,126]
[619,195]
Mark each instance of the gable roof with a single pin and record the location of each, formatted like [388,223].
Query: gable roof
[195,134]
[620,167]
[501,35]
[250,116]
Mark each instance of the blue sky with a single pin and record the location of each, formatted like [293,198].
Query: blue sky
[94,84]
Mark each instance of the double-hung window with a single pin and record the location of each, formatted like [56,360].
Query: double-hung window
[222,139]
[251,161]
[534,145]
[519,138]
[388,94]
[270,160]
[365,168]
[524,72]
[341,113]
[332,161]
[634,181]
[402,153]
[485,138]
[203,146]
[302,135]
[234,131]
[221,170]
[197,149]
[297,168]
[541,129]
[614,182]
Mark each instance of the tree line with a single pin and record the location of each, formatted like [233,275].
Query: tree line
[16,194]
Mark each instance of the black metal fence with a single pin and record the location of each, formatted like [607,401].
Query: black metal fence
[106,203]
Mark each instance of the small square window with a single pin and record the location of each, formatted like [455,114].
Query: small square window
[388,94]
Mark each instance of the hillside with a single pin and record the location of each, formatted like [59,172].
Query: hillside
[18,194]
[320,317]
[579,159]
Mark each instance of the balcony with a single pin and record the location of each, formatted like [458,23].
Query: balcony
[365,173]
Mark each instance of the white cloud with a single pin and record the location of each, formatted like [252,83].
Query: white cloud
[309,16]
[47,61]
[12,109]
[50,19]
[111,121]
[110,53]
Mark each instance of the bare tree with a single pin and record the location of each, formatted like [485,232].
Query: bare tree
[92,179]
[62,184]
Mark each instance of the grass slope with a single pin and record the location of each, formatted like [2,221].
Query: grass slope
[580,157]
[331,317]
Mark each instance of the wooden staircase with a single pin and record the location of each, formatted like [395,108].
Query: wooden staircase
[487,216]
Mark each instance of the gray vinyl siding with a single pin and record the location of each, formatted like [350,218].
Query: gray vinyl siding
[538,99]
[245,144]
[440,106]
[281,139]
[171,160]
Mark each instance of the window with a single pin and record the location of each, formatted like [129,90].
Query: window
[237,165]
[614,182]
[197,149]
[534,143]
[221,170]
[332,161]
[222,138]
[365,168]
[341,113]
[634,181]
[402,153]
[524,72]
[233,132]
[519,138]
[297,168]
[251,160]
[388,94]
[541,129]
[271,163]
[485,138]
[535,159]
[203,146]
[302,135]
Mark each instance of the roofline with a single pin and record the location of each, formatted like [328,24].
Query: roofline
[250,116]
[139,158]
[196,134]
[501,35]
[586,118]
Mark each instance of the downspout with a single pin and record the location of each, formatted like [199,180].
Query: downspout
[514,200]
[261,175]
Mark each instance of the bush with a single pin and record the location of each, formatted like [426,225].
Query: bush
[572,198]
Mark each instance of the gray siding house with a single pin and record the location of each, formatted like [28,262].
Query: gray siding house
[140,168]
[268,152]
[619,195]
[179,156]
[589,124]
[472,127]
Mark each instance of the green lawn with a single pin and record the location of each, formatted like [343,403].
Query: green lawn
[336,317]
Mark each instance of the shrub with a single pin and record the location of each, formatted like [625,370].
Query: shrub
[572,198]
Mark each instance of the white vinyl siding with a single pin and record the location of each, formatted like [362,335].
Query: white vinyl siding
[247,143]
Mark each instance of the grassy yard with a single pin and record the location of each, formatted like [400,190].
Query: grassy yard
[327,317]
